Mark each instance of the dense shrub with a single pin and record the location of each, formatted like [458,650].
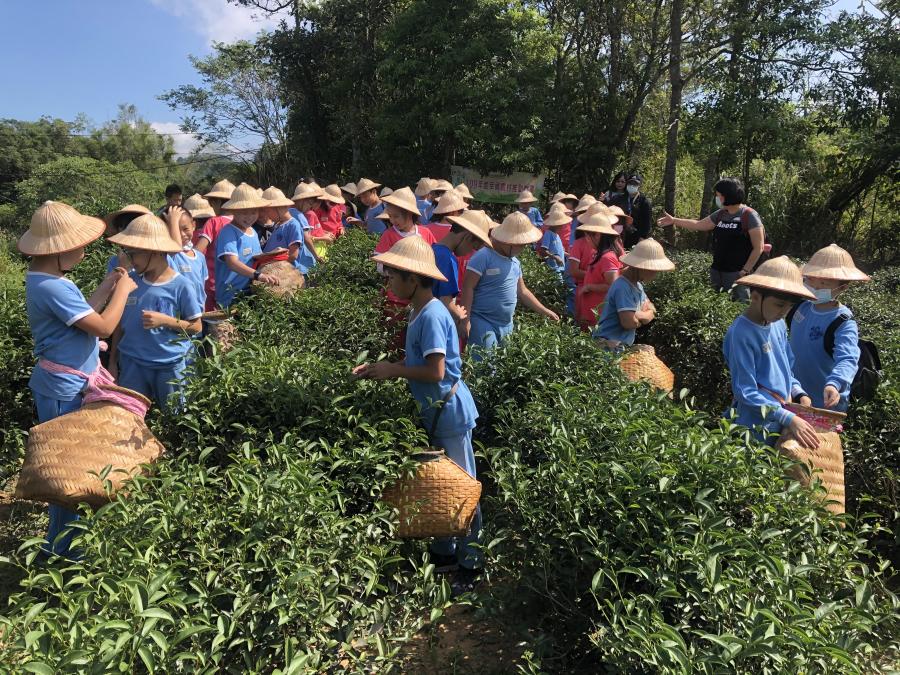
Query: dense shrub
[349,263]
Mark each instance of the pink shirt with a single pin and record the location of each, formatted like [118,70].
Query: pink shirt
[390,237]
[583,251]
[596,274]
[330,218]
[316,229]
[210,232]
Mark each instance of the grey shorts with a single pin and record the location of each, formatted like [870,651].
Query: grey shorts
[723,282]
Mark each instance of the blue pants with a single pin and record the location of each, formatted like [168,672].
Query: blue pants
[59,537]
[485,335]
[570,295]
[459,449]
[156,382]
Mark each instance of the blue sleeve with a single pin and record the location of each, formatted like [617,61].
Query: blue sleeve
[546,240]
[621,298]
[189,306]
[538,218]
[302,222]
[434,333]
[846,356]
[796,387]
[478,262]
[227,243]
[293,234]
[741,364]
[112,264]
[204,268]
[66,302]
[449,268]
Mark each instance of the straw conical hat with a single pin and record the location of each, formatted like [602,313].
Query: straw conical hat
[525,197]
[405,199]
[598,208]
[385,191]
[59,228]
[559,196]
[833,262]
[259,192]
[584,203]
[332,193]
[276,198]
[412,254]
[463,190]
[138,209]
[147,233]
[383,216]
[424,186]
[307,191]
[620,214]
[198,207]
[557,218]
[364,185]
[599,222]
[441,185]
[477,222]
[559,207]
[648,255]
[449,202]
[515,229]
[221,190]
[349,188]
[244,197]
[779,275]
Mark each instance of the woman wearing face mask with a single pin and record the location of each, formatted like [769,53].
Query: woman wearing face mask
[760,359]
[826,371]
[627,307]
[738,237]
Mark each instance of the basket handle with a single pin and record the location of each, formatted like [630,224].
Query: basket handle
[430,455]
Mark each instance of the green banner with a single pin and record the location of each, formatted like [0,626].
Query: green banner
[497,188]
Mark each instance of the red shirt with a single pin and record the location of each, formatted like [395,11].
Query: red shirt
[596,273]
[583,251]
[463,261]
[390,237]
[316,229]
[330,217]
[210,232]
[439,230]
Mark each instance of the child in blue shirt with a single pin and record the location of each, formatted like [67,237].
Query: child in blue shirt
[551,247]
[493,283]
[433,368]
[115,223]
[826,376]
[151,342]
[759,356]
[288,232]
[187,261]
[64,325]
[236,245]
[526,204]
[627,307]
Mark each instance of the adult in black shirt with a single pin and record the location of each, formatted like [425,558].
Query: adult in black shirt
[616,195]
[738,237]
[639,207]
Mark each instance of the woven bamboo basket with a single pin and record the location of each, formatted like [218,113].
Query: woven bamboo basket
[289,278]
[219,329]
[825,463]
[438,500]
[64,454]
[641,363]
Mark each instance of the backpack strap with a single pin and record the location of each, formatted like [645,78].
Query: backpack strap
[789,319]
[828,338]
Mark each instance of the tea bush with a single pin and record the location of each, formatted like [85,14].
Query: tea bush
[349,263]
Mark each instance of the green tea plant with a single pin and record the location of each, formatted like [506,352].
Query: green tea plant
[349,263]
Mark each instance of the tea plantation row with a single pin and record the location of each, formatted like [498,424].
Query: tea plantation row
[640,534]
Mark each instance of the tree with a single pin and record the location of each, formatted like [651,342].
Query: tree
[239,102]
[27,145]
[128,138]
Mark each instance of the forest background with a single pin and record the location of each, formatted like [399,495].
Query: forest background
[798,100]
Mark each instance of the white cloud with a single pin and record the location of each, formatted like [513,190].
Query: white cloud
[184,143]
[218,20]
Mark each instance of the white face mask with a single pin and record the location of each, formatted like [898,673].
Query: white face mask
[823,295]
[718,202]
[632,189]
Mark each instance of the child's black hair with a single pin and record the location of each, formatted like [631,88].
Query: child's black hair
[172,190]
[607,243]
[121,221]
[732,189]
[456,228]
[425,282]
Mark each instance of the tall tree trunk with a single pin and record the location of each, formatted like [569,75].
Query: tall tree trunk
[710,176]
[676,84]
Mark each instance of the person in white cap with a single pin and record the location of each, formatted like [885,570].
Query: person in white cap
[433,368]
[824,334]
[760,359]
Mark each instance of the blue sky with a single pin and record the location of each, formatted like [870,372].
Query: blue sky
[63,57]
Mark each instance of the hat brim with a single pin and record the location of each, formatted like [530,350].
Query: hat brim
[277,203]
[533,200]
[656,265]
[90,229]
[143,244]
[217,195]
[523,238]
[244,205]
[599,229]
[471,229]
[766,283]
[400,204]
[835,273]
[389,259]
[331,198]
[202,213]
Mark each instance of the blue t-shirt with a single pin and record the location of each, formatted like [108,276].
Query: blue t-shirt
[554,246]
[113,264]
[176,297]
[373,224]
[54,304]
[760,361]
[497,291]
[306,260]
[285,235]
[449,267]
[233,241]
[623,296]
[573,227]
[426,208]
[194,268]
[813,367]
[432,331]
[534,215]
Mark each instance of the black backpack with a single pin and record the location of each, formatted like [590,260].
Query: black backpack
[868,372]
